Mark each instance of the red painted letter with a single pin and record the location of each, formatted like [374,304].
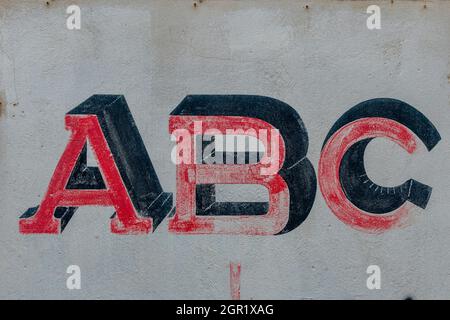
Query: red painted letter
[86,128]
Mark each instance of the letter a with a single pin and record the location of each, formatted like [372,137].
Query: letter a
[106,123]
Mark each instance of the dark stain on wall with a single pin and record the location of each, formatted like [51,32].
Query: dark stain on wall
[49,2]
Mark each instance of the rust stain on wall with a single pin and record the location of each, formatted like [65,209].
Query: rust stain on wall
[2,104]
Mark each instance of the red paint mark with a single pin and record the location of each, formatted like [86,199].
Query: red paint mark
[190,174]
[126,220]
[330,161]
[235,280]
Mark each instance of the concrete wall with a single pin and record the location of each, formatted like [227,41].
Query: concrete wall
[321,60]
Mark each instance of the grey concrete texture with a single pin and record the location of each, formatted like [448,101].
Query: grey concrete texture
[320,59]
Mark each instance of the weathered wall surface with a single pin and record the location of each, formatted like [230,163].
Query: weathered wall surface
[321,60]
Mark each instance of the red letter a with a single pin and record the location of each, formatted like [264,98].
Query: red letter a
[84,128]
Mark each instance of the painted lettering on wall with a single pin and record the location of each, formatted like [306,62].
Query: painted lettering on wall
[126,181]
